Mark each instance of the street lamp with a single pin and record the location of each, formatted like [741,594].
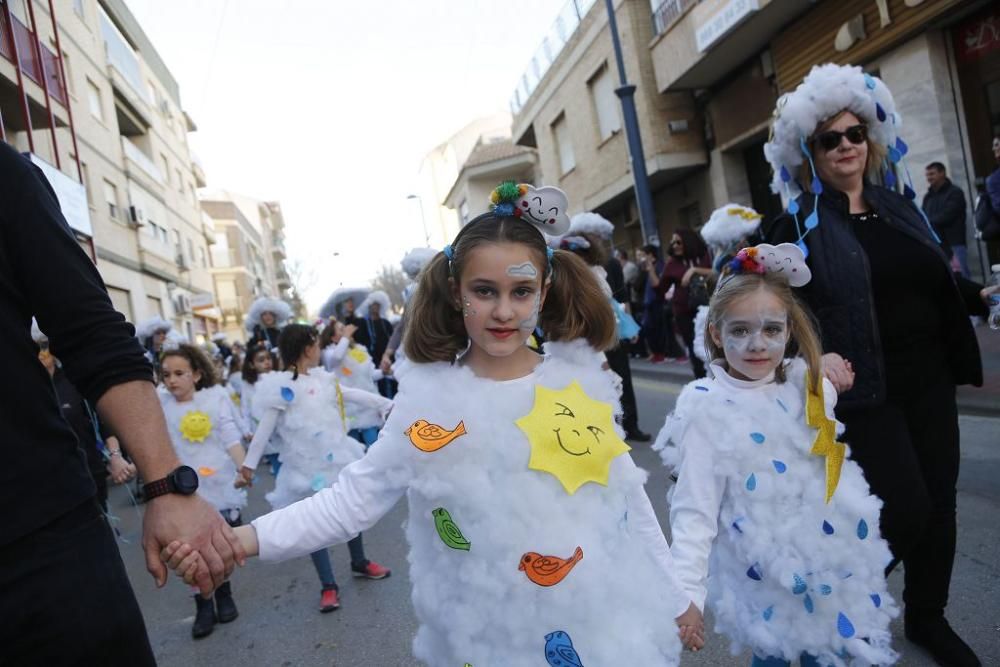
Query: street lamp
[423,218]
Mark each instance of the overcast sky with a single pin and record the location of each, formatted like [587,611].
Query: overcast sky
[329,106]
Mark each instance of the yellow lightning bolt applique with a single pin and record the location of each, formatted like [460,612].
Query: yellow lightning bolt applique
[572,436]
[825,443]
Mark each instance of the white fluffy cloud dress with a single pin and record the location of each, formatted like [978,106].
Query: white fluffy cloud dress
[474,605]
[787,572]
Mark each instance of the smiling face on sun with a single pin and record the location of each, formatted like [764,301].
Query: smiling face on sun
[500,293]
[573,437]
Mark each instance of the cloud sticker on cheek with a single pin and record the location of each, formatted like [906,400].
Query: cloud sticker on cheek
[525,270]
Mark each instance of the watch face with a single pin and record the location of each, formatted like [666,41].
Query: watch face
[185,480]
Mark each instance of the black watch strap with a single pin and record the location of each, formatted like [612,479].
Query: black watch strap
[160,487]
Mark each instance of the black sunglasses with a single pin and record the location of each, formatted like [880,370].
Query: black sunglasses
[829,140]
[677,242]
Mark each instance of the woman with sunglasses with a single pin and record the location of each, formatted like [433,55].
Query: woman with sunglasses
[895,330]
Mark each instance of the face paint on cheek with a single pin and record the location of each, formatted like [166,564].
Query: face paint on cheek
[467,309]
[525,270]
[529,323]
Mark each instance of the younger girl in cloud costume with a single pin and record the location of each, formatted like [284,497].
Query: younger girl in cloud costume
[532,541]
[353,367]
[771,522]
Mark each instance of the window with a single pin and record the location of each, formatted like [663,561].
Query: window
[191,250]
[463,213]
[94,100]
[78,8]
[202,258]
[163,235]
[69,75]
[154,306]
[121,301]
[166,167]
[180,181]
[85,173]
[602,92]
[563,145]
[111,198]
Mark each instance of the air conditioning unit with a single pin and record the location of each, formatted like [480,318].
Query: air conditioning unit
[136,217]
[182,304]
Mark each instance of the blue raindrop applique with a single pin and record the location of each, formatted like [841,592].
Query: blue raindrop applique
[812,221]
[793,206]
[825,589]
[758,438]
[876,600]
[318,483]
[862,529]
[798,585]
[880,112]
[754,572]
[803,247]
[768,613]
[909,193]
[779,466]
[781,404]
[287,394]
[808,603]
[901,146]
[890,179]
[817,186]
[827,528]
[700,388]
[785,176]
[751,482]
[844,626]
[869,81]
[736,526]
[329,457]
[894,155]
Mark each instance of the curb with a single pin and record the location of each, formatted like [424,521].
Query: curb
[971,401]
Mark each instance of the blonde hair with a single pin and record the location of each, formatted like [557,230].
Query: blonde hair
[575,306]
[873,161]
[802,340]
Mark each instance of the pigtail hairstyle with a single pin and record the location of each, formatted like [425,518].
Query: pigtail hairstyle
[292,344]
[575,306]
[802,340]
[198,361]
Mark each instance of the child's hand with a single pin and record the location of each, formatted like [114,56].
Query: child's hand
[240,482]
[247,475]
[839,371]
[692,628]
[690,639]
[182,559]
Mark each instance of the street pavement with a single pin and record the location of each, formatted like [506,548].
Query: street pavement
[279,623]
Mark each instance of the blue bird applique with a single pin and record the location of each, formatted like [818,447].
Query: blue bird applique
[559,651]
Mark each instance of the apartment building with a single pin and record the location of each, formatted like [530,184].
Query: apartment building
[248,255]
[85,94]
[565,106]
[492,161]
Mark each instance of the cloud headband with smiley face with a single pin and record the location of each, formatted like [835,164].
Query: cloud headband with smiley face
[544,207]
[786,259]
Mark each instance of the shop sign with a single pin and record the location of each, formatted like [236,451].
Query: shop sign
[722,18]
[72,196]
[978,37]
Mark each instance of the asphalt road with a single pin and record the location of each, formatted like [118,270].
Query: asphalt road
[279,623]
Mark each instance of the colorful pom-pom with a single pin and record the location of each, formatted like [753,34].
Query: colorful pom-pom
[287,394]
[507,192]
[862,529]
[827,528]
[844,626]
[503,210]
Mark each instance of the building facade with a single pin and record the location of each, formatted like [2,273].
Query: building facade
[491,162]
[247,257]
[84,92]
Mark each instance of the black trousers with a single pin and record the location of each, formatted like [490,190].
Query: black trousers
[618,362]
[65,598]
[685,323]
[909,451]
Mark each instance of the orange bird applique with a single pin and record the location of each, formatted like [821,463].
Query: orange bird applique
[429,437]
[548,570]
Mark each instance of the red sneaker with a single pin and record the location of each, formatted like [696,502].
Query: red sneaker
[656,358]
[371,571]
[329,601]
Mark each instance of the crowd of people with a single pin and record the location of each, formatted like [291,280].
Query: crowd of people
[816,447]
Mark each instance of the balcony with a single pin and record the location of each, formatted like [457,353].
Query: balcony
[38,65]
[278,244]
[125,73]
[135,155]
[669,12]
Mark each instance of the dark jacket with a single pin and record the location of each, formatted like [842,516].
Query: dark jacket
[840,294]
[945,208]
[267,335]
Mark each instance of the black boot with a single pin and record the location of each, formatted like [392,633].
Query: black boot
[932,633]
[204,620]
[224,605]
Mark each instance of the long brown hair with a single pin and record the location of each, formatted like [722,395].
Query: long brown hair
[198,361]
[802,330]
[575,306]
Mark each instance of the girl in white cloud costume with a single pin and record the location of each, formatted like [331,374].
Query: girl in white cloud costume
[353,367]
[531,538]
[771,522]
[304,407]
[199,416]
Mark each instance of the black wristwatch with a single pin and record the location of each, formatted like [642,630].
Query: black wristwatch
[182,480]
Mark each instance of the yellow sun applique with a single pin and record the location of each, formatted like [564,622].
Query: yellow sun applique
[196,426]
[359,354]
[572,436]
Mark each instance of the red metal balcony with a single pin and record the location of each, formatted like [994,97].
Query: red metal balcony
[42,68]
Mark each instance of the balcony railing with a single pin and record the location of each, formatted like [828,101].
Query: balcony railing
[123,58]
[43,69]
[566,23]
[669,12]
[135,154]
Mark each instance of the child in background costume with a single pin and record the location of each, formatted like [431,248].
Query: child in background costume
[258,362]
[354,368]
[770,519]
[531,537]
[200,421]
[304,406]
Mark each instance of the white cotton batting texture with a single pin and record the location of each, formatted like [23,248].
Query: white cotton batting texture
[826,90]
[785,567]
[475,606]
[314,444]
[358,375]
[727,226]
[209,457]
